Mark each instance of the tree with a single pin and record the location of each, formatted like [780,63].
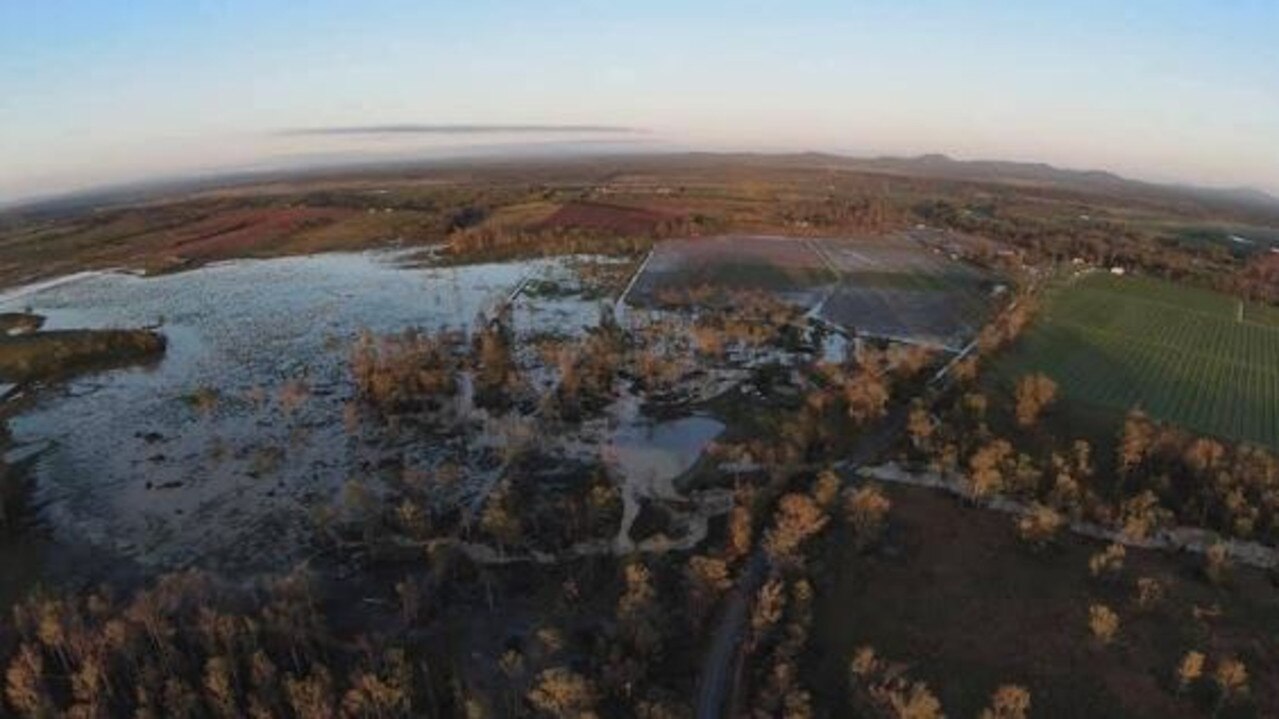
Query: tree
[708,579]
[24,682]
[826,489]
[975,404]
[1103,623]
[312,695]
[916,703]
[708,340]
[637,609]
[965,370]
[1033,394]
[1231,678]
[1189,670]
[1109,562]
[797,518]
[985,477]
[866,508]
[373,696]
[740,529]
[561,692]
[864,663]
[889,689]
[1217,563]
[493,356]
[1140,516]
[1204,454]
[1135,440]
[769,604]
[1009,701]
[866,394]
[1150,592]
[1040,525]
[920,426]
[499,519]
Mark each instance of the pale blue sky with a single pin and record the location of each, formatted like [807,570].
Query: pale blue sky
[95,91]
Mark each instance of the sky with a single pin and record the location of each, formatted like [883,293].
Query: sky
[103,91]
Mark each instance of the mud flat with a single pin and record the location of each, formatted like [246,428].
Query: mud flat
[60,353]
[19,323]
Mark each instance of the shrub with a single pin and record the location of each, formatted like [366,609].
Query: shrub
[1103,623]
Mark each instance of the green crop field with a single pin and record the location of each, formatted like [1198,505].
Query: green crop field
[1191,357]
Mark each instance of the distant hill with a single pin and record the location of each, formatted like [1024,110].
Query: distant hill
[1260,206]
[1086,181]
[937,165]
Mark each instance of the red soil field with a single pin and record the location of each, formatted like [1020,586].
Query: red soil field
[779,252]
[244,230]
[618,219]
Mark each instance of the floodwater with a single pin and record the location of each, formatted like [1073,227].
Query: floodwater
[649,457]
[127,462]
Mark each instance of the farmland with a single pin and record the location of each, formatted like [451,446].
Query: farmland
[886,287]
[897,290]
[593,439]
[784,266]
[1191,357]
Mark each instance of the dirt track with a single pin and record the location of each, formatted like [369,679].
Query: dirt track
[716,682]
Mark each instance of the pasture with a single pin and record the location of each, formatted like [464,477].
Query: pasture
[1191,357]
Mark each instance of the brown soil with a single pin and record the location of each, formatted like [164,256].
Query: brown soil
[956,596]
[600,217]
[245,231]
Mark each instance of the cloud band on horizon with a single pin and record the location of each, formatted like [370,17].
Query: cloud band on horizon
[455,129]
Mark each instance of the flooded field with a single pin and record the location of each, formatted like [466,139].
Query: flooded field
[218,454]
[894,288]
[785,266]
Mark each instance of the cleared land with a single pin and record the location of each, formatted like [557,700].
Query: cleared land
[601,217]
[969,608]
[1195,358]
[890,287]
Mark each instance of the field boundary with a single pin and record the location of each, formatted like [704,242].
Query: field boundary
[639,272]
[1177,539]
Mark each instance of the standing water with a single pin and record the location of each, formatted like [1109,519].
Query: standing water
[217,453]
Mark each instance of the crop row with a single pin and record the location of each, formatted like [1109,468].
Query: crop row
[1182,364]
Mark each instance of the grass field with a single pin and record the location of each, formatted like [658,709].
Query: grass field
[1195,358]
